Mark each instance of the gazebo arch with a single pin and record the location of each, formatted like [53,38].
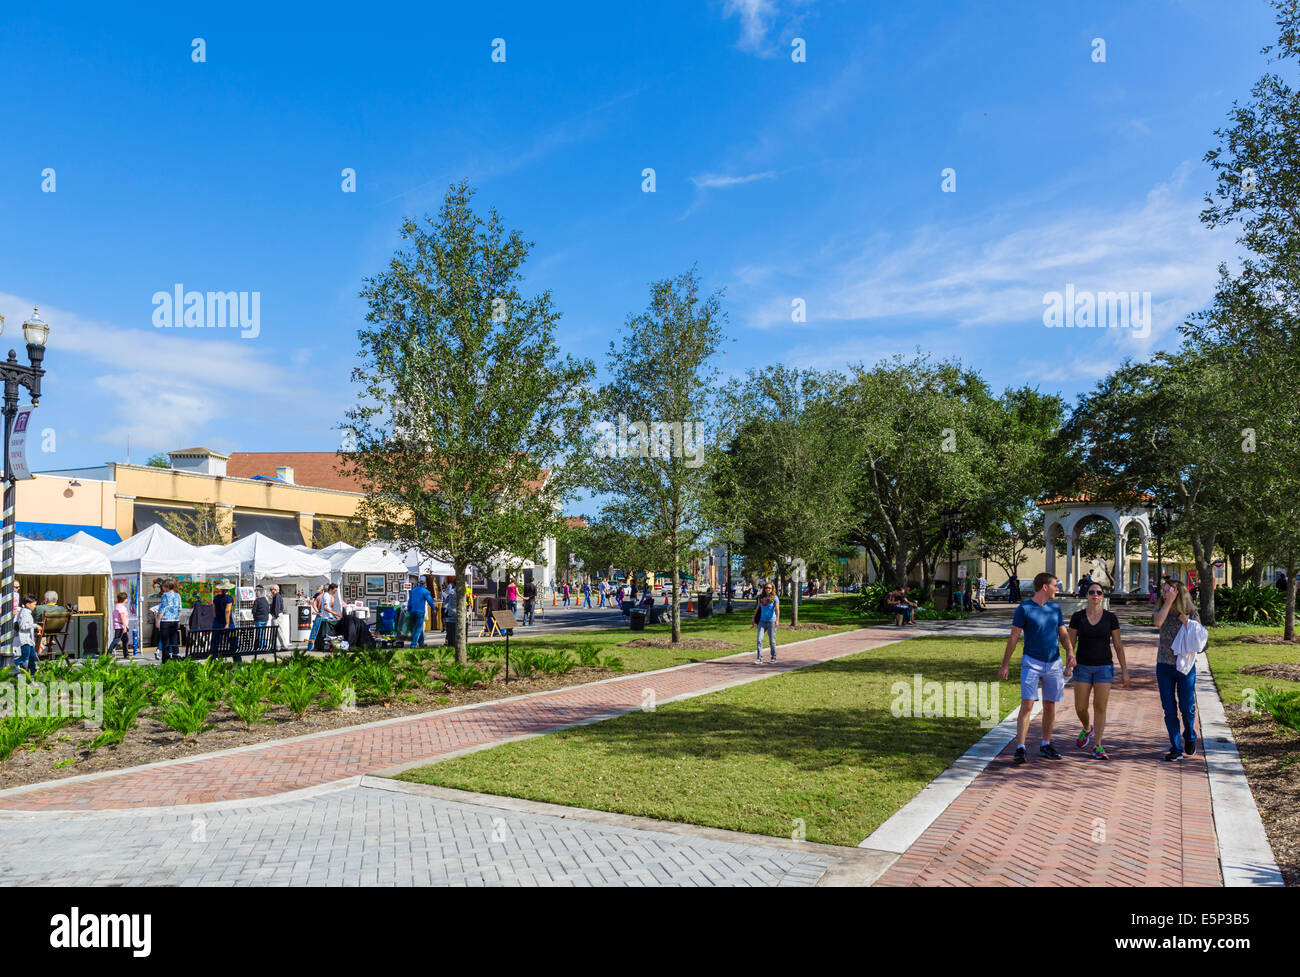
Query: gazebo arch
[1064,517]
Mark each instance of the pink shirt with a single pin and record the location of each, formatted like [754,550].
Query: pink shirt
[512,592]
[121,615]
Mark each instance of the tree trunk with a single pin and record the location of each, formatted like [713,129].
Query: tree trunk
[677,593]
[462,616]
[794,600]
[1288,631]
[1235,568]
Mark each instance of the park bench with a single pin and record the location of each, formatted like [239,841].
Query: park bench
[229,642]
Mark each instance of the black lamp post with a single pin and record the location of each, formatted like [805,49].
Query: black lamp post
[952,518]
[728,576]
[1159,525]
[36,332]
[986,554]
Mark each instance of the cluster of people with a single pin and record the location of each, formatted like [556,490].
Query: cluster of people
[1092,643]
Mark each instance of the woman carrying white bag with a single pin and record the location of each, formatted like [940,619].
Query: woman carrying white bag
[1181,638]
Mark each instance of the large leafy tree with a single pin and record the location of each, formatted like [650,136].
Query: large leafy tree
[785,477]
[936,450]
[663,377]
[1168,428]
[470,430]
[204,525]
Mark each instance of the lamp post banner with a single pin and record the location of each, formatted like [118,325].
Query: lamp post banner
[18,444]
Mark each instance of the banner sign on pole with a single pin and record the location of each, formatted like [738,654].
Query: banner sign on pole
[18,444]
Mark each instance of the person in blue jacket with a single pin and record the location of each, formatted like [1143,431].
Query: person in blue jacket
[420,597]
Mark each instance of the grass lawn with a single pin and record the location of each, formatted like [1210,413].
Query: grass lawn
[1227,656]
[734,628]
[820,745]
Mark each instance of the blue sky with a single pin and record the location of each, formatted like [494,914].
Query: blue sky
[818,180]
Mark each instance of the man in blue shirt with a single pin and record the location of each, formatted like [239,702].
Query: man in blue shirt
[1040,620]
[420,597]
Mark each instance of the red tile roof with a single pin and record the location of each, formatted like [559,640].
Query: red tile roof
[315,469]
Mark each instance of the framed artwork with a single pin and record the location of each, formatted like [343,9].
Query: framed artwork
[374,583]
[391,598]
[373,604]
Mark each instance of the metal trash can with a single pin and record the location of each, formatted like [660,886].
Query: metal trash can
[636,619]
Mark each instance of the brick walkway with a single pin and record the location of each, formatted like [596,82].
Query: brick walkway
[273,768]
[1132,821]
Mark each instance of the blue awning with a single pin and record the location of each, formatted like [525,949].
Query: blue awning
[62,530]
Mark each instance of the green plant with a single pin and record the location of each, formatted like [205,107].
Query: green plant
[340,692]
[462,676]
[1283,706]
[1250,605]
[248,699]
[524,663]
[188,718]
[490,672]
[298,691]
[609,661]
[555,663]
[14,732]
[588,657]
[374,680]
[120,715]
[475,653]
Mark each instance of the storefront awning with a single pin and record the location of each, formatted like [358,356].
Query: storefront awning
[282,529]
[62,530]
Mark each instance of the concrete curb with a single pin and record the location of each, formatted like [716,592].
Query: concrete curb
[1245,856]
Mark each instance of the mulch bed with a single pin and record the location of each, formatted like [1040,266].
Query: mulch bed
[1264,639]
[1270,754]
[1287,670]
[152,741]
[686,644]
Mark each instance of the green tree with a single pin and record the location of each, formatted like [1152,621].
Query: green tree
[1010,538]
[936,449]
[204,525]
[663,377]
[470,427]
[354,532]
[159,461]
[786,475]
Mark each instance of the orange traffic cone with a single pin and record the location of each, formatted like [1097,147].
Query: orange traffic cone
[554,599]
[690,606]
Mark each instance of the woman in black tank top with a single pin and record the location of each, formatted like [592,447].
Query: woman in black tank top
[1093,630]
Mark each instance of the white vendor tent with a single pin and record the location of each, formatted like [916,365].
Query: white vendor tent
[81,538]
[257,556]
[155,550]
[368,559]
[42,557]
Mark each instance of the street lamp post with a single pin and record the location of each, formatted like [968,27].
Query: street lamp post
[15,375]
[728,576]
[950,518]
[1159,525]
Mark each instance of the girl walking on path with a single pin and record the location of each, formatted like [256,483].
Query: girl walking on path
[1177,691]
[121,625]
[1092,632]
[766,615]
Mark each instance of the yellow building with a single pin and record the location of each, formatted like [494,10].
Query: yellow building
[261,492]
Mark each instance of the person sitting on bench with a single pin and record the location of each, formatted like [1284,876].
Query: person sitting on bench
[903,609]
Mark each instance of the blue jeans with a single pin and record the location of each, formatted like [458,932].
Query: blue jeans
[417,630]
[27,658]
[768,627]
[1177,694]
[259,643]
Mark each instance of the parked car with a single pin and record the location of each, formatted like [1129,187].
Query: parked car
[1004,592]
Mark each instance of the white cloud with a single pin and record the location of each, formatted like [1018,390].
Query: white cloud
[166,386]
[722,181]
[995,271]
[759,17]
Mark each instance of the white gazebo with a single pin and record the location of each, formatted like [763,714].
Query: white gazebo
[1065,517]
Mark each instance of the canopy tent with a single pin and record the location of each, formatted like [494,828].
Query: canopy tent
[337,547]
[71,572]
[259,556]
[415,561]
[155,550]
[81,538]
[368,559]
[43,557]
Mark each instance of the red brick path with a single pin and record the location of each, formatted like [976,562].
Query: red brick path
[274,768]
[1042,823]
